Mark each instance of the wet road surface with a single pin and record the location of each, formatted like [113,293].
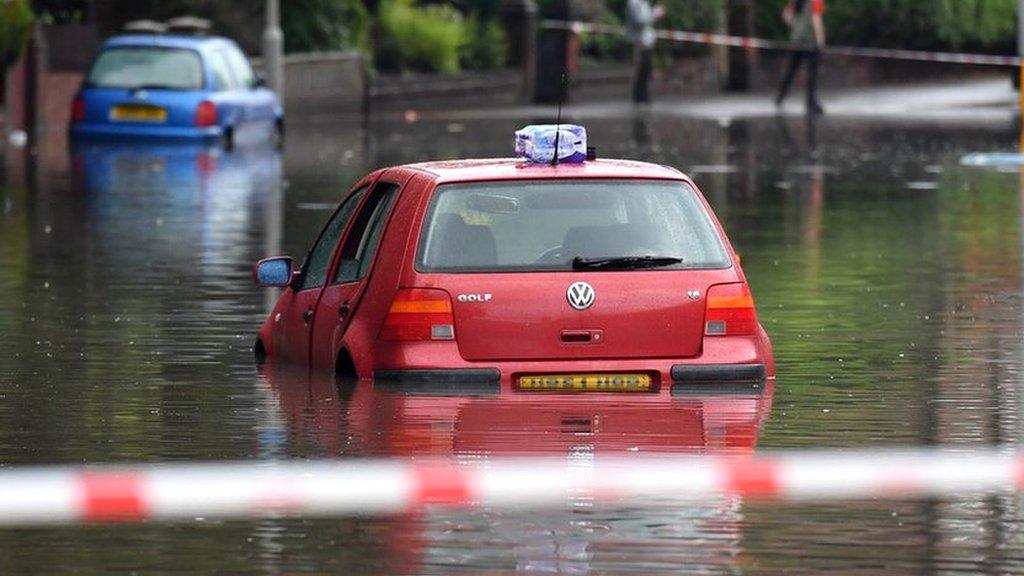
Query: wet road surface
[888,276]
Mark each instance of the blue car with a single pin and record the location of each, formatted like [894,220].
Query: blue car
[193,88]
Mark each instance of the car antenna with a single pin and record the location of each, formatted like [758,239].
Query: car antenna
[558,121]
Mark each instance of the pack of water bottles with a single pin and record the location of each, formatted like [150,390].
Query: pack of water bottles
[536,143]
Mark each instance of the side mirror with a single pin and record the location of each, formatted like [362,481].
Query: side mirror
[274,272]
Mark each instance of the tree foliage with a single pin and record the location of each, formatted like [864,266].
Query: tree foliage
[915,24]
[311,25]
[485,45]
[308,25]
[415,37]
[15,25]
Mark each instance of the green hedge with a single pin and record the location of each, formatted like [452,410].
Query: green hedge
[484,45]
[988,25]
[15,25]
[419,37]
[439,38]
[982,25]
[311,25]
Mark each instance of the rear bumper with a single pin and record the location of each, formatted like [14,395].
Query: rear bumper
[712,373]
[686,379]
[471,381]
[457,376]
[726,361]
[110,132]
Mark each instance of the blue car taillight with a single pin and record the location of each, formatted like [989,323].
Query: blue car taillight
[206,114]
[78,109]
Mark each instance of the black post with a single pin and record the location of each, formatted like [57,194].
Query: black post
[36,62]
[552,55]
[519,18]
[740,22]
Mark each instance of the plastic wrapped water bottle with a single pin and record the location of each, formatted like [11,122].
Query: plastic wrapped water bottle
[536,143]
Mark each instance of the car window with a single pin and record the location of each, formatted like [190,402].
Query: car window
[240,68]
[145,66]
[543,225]
[222,71]
[314,271]
[361,244]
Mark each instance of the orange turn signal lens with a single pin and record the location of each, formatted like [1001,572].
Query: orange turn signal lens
[730,311]
[419,314]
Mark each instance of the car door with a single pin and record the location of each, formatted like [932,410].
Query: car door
[340,298]
[295,322]
[230,113]
[259,102]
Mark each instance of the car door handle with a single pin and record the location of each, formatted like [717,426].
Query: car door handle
[307,315]
[343,310]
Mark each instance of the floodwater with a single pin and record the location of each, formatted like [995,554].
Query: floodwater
[888,275]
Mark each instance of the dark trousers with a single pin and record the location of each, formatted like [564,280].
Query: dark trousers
[813,58]
[642,74]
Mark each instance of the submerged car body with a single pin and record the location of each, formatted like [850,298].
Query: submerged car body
[609,275]
[174,87]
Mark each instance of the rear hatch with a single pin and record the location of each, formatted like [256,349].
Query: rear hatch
[505,252]
[528,316]
[140,107]
[512,316]
[144,85]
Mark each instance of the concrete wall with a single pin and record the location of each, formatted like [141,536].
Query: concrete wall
[470,88]
[325,82]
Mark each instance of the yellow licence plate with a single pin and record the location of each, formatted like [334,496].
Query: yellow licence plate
[138,114]
[585,383]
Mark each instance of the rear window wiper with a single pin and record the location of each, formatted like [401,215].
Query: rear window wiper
[623,262]
[139,87]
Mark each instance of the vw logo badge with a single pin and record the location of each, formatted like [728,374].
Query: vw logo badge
[580,295]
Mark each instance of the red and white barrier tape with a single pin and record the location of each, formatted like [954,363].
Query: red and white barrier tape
[761,43]
[42,496]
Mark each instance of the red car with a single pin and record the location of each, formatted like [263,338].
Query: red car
[605,275]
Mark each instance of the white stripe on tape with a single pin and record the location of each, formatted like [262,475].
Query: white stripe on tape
[43,496]
[762,43]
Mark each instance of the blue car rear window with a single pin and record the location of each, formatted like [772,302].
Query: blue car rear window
[147,67]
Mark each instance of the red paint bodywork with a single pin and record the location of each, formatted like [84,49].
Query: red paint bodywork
[518,331]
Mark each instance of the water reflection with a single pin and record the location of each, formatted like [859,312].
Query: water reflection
[123,280]
[318,416]
[888,276]
[213,194]
[324,417]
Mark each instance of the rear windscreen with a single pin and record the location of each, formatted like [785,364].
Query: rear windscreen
[545,224]
[147,67]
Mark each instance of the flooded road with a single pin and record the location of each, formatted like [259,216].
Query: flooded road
[888,276]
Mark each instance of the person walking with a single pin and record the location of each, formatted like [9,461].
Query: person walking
[807,36]
[640,17]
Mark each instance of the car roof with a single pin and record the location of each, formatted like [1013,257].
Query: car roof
[517,169]
[166,41]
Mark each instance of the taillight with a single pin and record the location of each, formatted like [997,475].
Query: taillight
[730,311]
[206,114]
[78,109]
[419,314]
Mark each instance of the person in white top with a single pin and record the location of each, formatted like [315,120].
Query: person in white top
[640,18]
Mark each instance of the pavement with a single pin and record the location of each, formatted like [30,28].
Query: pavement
[976,100]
